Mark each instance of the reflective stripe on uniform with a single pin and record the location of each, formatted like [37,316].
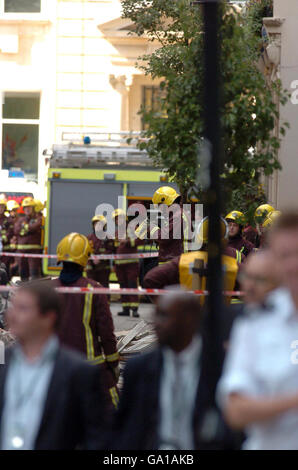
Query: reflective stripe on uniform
[126,261]
[86,323]
[29,247]
[151,248]
[163,262]
[97,360]
[236,301]
[130,304]
[238,256]
[114,396]
[112,357]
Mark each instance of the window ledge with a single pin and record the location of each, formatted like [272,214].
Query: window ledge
[28,20]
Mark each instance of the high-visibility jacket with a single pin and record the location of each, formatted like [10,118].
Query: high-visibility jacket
[179,270]
[86,324]
[186,263]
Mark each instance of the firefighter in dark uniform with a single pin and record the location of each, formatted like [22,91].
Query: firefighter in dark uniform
[99,270]
[28,232]
[86,323]
[13,208]
[179,270]
[39,207]
[6,233]
[169,244]
[235,220]
[127,270]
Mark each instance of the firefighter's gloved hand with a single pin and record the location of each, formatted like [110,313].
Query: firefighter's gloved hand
[24,230]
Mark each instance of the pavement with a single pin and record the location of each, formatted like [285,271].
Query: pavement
[127,323]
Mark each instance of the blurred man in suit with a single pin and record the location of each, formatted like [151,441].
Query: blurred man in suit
[164,390]
[50,398]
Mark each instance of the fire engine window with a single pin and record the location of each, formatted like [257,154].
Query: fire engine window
[20,147]
[22,6]
[21,106]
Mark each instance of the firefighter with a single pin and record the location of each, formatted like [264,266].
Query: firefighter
[235,220]
[268,223]
[39,208]
[170,245]
[179,270]
[9,238]
[28,231]
[127,270]
[96,269]
[260,216]
[4,228]
[86,323]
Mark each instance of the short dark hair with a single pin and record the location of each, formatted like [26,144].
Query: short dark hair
[48,299]
[287,221]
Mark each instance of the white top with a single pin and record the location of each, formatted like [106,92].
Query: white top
[178,389]
[262,362]
[25,393]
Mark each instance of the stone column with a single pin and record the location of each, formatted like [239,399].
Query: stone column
[283,56]
[122,84]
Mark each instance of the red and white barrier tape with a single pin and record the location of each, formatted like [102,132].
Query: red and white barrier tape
[100,257]
[106,290]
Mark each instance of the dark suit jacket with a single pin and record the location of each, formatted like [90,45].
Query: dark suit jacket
[75,409]
[135,425]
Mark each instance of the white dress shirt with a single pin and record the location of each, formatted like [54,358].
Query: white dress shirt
[260,364]
[25,393]
[178,389]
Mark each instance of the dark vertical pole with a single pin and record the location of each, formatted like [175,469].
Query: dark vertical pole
[212,351]
[213,136]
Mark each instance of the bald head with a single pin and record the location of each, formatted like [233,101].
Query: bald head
[177,319]
[259,276]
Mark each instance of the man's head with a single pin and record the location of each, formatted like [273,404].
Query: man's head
[283,241]
[178,318]
[258,276]
[28,210]
[34,311]
[235,220]
[234,229]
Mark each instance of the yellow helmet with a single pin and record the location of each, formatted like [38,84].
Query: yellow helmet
[165,195]
[99,218]
[202,230]
[39,206]
[262,211]
[12,205]
[118,212]
[3,200]
[28,202]
[236,216]
[271,219]
[75,248]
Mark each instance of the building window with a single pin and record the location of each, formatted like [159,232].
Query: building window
[151,95]
[22,6]
[20,132]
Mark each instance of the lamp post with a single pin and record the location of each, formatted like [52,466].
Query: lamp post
[212,352]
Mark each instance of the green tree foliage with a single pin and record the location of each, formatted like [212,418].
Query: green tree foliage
[174,131]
